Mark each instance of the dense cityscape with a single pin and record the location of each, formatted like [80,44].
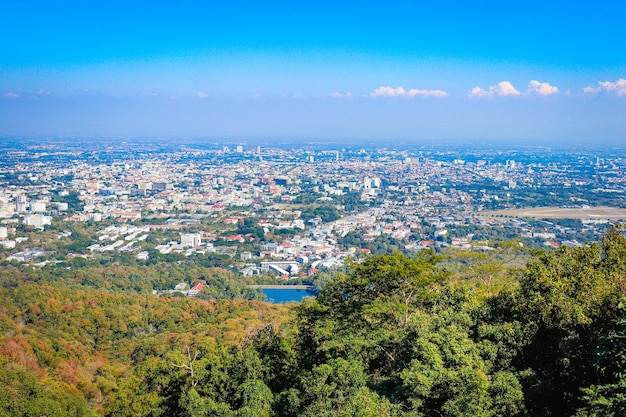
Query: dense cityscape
[291,211]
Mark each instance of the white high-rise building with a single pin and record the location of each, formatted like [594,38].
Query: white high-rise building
[96,217]
[144,185]
[37,220]
[37,206]
[191,239]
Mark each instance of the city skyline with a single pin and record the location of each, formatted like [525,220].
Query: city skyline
[318,70]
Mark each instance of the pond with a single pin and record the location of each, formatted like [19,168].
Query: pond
[286,295]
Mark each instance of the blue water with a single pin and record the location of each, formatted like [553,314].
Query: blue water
[286,295]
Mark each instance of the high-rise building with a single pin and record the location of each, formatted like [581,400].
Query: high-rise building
[20,204]
[37,220]
[162,186]
[191,239]
[37,206]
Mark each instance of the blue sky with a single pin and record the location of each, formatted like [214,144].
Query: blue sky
[410,70]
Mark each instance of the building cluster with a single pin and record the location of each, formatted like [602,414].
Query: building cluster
[313,207]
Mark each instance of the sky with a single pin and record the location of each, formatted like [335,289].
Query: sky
[513,71]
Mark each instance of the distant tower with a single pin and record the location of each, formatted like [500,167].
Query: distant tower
[337,156]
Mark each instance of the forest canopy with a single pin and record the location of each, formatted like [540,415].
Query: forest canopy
[393,336]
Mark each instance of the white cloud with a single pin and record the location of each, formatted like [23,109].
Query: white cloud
[11,94]
[202,94]
[401,92]
[388,92]
[618,87]
[426,93]
[543,89]
[341,95]
[503,88]
[478,92]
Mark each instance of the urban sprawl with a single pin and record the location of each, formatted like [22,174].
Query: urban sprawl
[290,211]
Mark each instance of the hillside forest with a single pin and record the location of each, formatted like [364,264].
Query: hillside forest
[431,334]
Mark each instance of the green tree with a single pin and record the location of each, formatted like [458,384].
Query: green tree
[338,388]
[566,301]
[256,399]
[409,339]
[608,398]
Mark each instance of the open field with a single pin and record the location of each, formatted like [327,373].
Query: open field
[609,213]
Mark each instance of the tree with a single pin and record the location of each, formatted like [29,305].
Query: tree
[608,398]
[566,301]
[339,389]
[365,313]
[256,399]
[392,326]
[453,373]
